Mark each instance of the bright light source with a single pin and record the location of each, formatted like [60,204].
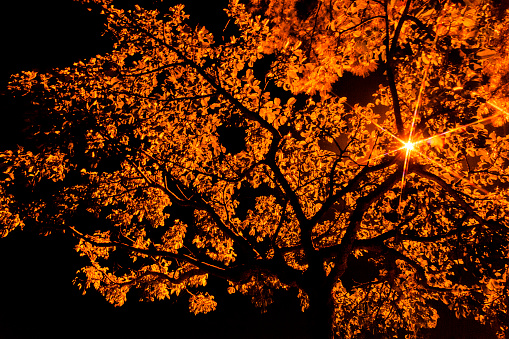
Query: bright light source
[409,145]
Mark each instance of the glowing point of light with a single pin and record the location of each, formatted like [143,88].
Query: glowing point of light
[409,145]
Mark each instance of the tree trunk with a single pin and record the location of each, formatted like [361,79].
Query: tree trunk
[321,310]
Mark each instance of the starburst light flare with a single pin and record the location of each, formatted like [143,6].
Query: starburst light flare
[453,173]
[458,129]
[409,146]
[461,128]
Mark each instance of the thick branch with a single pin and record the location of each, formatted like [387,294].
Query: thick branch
[332,199]
[395,98]
[290,194]
[379,240]
[390,73]
[236,273]
[362,205]
[401,22]
[396,255]
[229,232]
[453,193]
[419,270]
[199,203]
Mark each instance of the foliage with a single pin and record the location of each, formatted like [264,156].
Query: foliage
[181,155]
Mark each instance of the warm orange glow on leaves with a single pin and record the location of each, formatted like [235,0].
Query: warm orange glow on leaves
[182,155]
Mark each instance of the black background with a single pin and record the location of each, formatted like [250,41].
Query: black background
[37,297]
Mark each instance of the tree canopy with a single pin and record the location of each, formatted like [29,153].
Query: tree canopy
[183,155]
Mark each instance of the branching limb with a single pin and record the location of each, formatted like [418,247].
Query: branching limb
[168,100]
[362,205]
[243,242]
[290,193]
[457,196]
[361,23]
[401,22]
[220,90]
[420,24]
[197,201]
[394,254]
[389,70]
[332,199]
[379,240]
[395,98]
[397,236]
[419,270]
[178,279]
[207,267]
[154,70]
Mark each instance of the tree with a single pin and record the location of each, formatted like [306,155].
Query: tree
[181,155]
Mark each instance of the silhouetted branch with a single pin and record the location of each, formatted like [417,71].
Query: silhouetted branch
[362,205]
[208,267]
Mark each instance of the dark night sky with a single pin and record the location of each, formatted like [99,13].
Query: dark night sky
[37,298]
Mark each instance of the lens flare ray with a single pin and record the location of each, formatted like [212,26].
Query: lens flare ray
[453,173]
[458,129]
[411,146]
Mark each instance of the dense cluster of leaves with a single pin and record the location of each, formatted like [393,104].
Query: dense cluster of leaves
[181,155]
